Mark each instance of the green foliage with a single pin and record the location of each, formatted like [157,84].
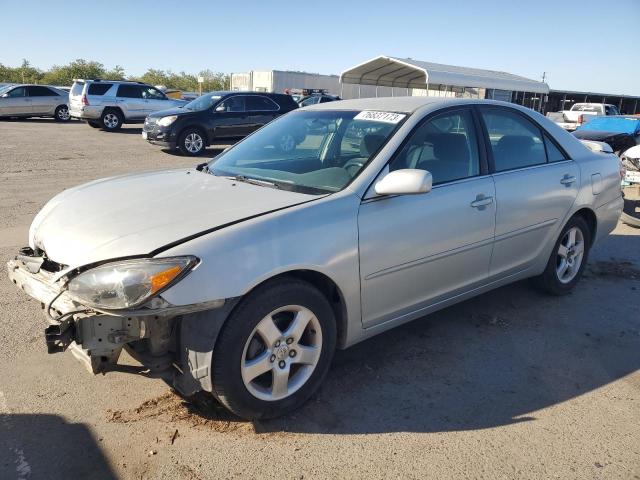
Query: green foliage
[63,75]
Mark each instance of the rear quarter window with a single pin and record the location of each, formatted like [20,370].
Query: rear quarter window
[99,88]
[77,88]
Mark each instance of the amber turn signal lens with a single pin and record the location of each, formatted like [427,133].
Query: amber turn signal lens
[161,279]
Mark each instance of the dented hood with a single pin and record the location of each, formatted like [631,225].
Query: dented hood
[137,214]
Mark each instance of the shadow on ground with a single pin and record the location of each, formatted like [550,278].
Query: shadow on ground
[46,446]
[490,361]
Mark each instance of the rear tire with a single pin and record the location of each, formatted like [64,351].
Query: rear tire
[275,350]
[111,120]
[568,258]
[62,114]
[631,203]
[191,142]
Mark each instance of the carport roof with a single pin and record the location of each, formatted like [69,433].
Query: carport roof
[408,73]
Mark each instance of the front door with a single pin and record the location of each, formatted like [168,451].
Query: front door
[416,250]
[230,119]
[536,185]
[16,102]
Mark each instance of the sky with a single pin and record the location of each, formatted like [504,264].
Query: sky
[589,45]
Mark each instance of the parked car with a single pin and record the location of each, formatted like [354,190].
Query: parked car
[620,132]
[109,104]
[217,117]
[631,186]
[34,101]
[240,277]
[580,113]
[317,98]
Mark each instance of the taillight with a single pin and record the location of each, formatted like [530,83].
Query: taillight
[580,119]
[623,169]
[84,100]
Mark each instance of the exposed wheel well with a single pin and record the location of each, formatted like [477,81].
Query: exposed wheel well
[331,292]
[590,217]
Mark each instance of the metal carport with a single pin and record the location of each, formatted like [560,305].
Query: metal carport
[407,73]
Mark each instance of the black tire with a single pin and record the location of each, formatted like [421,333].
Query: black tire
[111,120]
[549,280]
[228,385]
[191,142]
[629,214]
[62,114]
[93,124]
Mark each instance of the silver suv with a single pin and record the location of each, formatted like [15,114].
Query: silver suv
[108,104]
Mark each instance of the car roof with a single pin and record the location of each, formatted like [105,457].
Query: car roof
[397,104]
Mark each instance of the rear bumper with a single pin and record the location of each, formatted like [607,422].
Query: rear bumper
[86,112]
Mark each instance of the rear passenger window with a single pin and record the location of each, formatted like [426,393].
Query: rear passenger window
[41,92]
[554,154]
[130,91]
[446,146]
[515,141]
[99,88]
[261,104]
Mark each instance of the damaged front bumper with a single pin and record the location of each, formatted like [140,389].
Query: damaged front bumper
[151,334]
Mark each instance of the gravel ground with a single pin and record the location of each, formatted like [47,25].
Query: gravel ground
[512,384]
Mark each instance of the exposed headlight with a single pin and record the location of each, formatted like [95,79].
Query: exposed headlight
[128,283]
[166,121]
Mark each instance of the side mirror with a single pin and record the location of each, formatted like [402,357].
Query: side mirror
[220,108]
[4,95]
[408,181]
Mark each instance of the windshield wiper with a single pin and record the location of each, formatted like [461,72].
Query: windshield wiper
[255,181]
[203,167]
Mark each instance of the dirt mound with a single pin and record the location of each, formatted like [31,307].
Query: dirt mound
[199,411]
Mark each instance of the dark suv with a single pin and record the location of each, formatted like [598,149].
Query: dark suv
[217,118]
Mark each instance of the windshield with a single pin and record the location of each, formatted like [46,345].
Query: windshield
[313,152]
[203,102]
[585,107]
[4,88]
[613,124]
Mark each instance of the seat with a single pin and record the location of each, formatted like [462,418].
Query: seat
[370,144]
[513,151]
[451,158]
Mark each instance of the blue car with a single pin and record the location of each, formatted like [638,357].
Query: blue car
[619,131]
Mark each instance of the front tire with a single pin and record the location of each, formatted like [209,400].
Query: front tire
[191,142]
[274,351]
[111,120]
[62,114]
[93,124]
[568,258]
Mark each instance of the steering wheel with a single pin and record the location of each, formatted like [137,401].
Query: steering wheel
[354,165]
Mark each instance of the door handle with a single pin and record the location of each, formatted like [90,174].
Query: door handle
[481,202]
[567,180]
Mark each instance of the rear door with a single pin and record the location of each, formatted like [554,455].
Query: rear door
[536,185]
[15,102]
[129,99]
[43,100]
[260,111]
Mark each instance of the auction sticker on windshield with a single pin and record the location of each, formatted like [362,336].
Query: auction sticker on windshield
[386,117]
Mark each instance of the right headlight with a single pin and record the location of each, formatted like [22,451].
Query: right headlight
[129,283]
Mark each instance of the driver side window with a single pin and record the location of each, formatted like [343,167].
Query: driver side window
[151,93]
[232,104]
[17,92]
[446,146]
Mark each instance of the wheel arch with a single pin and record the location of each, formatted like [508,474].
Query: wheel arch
[203,132]
[327,287]
[589,216]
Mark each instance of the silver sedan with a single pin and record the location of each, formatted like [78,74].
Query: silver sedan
[34,101]
[240,277]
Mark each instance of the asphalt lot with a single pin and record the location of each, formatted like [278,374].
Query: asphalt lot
[512,384]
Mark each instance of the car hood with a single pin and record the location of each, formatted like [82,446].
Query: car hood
[140,213]
[171,111]
[598,134]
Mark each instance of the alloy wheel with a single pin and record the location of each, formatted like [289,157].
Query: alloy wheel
[111,120]
[193,143]
[281,353]
[63,113]
[570,255]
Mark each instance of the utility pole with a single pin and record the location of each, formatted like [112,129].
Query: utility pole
[544,76]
